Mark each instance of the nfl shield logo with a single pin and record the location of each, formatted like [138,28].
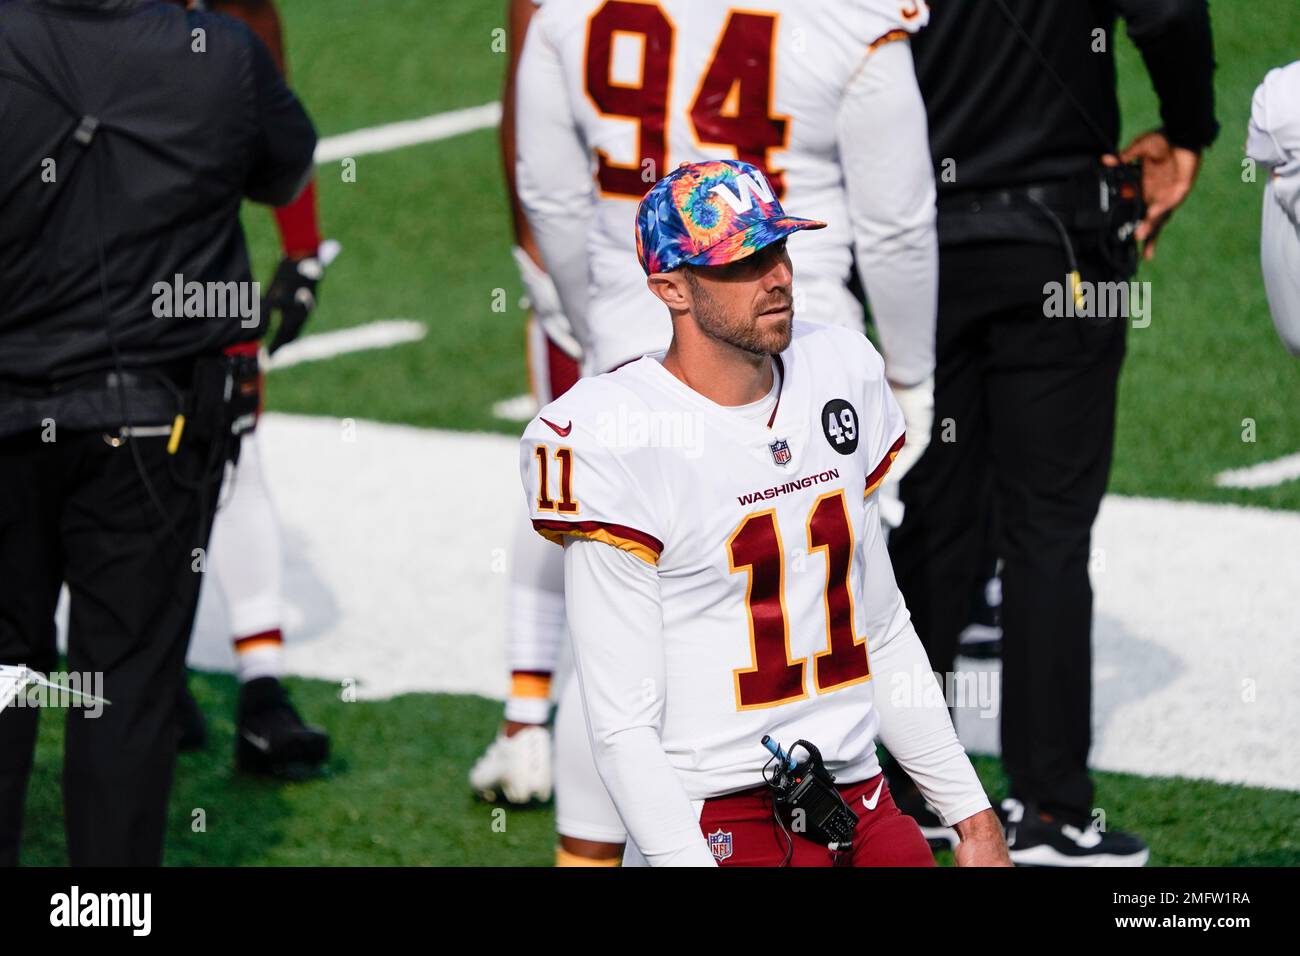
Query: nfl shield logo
[720,844]
[780,451]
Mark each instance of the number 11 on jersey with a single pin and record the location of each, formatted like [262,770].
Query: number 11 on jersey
[565,505]
[755,548]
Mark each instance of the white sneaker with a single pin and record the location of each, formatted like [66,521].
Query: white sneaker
[517,768]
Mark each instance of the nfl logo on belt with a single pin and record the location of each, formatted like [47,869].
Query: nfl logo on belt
[780,451]
[720,844]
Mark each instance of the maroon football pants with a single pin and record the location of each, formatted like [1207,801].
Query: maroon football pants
[742,831]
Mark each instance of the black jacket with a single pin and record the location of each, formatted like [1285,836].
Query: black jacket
[182,136]
[997,112]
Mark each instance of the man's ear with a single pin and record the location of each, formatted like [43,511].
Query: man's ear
[671,289]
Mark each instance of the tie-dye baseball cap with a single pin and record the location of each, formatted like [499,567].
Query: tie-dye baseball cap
[709,214]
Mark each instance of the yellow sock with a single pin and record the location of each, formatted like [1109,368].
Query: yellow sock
[564,858]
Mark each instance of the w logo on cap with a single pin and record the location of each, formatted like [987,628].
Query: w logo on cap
[710,214]
[748,185]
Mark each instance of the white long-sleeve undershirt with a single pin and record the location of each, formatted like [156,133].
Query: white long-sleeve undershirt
[884,149]
[618,652]
[553,174]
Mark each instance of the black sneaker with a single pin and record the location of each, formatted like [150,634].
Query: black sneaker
[272,737]
[1040,839]
[191,728]
[908,799]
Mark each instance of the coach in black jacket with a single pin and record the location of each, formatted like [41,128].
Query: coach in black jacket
[1035,210]
[130,132]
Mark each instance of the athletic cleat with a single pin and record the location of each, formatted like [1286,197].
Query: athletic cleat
[1039,839]
[516,768]
[273,739]
[191,728]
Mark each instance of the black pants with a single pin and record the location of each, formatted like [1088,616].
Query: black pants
[76,510]
[1024,423]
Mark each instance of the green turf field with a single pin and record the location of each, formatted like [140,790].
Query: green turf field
[396,796]
[426,237]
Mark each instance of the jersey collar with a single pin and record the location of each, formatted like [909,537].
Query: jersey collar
[787,421]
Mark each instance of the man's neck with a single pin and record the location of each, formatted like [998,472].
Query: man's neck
[720,372]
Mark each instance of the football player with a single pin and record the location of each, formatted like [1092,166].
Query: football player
[517,765]
[1274,143]
[613,93]
[246,557]
[736,588]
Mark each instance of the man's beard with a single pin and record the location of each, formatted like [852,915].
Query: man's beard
[744,334]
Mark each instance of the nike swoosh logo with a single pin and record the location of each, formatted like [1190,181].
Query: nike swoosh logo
[875,797]
[562,432]
[261,743]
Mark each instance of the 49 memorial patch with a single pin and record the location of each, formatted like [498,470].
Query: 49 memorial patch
[840,426]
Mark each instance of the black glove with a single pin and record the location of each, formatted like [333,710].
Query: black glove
[293,295]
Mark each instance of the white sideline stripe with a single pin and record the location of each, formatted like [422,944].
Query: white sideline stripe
[1264,475]
[372,335]
[381,139]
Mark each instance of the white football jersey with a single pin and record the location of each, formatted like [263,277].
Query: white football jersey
[759,532]
[652,85]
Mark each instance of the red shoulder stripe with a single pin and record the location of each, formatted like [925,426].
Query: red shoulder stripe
[878,474]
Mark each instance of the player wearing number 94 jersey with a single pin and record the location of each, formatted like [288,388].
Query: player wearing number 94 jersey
[819,94]
[726,575]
